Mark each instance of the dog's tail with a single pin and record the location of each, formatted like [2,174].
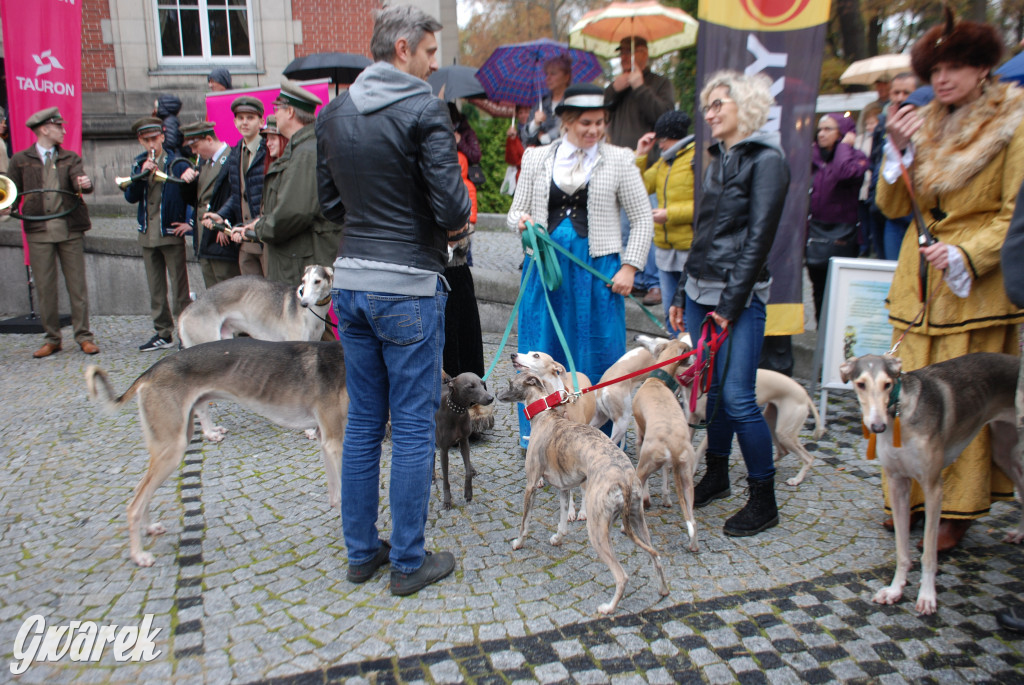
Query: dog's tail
[627,515]
[100,389]
[819,427]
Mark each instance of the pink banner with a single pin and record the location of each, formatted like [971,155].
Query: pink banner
[218,105]
[43,62]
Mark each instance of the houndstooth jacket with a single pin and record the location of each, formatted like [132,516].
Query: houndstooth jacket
[615,182]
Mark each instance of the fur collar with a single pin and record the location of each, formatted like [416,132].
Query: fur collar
[953,147]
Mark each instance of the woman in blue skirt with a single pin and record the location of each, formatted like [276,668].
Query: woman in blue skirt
[575,188]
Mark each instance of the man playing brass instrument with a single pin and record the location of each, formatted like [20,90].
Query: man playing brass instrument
[162,227]
[45,165]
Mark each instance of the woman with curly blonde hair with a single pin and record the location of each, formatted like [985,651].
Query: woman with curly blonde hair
[965,154]
[726,279]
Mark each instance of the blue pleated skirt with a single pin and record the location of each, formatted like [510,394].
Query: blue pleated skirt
[592,317]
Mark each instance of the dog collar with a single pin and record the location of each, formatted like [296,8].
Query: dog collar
[549,402]
[324,301]
[666,378]
[455,408]
[894,396]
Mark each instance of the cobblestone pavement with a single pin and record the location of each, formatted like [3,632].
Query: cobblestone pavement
[249,581]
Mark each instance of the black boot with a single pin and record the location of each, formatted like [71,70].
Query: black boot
[715,483]
[760,513]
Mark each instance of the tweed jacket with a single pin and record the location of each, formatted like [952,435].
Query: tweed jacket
[614,183]
[26,170]
[969,164]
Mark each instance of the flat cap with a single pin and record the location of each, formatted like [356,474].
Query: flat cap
[247,103]
[198,129]
[50,115]
[147,126]
[271,126]
[295,96]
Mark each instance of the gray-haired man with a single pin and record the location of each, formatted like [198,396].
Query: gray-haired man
[387,168]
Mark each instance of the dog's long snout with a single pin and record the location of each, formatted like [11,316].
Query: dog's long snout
[877,427]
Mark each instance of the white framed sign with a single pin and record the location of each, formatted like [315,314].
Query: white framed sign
[855,320]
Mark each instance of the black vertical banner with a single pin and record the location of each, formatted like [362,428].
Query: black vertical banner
[784,40]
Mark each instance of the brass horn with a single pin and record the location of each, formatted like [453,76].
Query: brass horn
[8,192]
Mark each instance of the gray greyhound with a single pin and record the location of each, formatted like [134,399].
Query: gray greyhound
[453,425]
[294,384]
[941,408]
[565,453]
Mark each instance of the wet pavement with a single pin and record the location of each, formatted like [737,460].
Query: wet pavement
[249,581]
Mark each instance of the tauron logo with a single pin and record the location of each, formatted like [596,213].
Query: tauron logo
[46,62]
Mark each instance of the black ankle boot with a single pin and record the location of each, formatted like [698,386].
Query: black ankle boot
[715,483]
[760,512]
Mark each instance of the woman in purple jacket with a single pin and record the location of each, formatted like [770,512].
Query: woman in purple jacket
[838,170]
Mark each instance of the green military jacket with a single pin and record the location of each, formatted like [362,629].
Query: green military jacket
[294,231]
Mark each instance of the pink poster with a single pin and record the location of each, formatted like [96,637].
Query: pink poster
[43,62]
[218,105]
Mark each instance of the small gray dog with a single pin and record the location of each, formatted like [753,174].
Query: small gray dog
[565,453]
[453,425]
[939,409]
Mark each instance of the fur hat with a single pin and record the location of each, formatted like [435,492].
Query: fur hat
[961,42]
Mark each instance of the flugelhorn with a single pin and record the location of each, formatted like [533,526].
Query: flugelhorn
[8,192]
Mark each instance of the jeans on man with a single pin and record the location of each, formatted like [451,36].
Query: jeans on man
[393,350]
[732,403]
[648,278]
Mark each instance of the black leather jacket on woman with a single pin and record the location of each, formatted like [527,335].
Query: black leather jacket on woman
[740,207]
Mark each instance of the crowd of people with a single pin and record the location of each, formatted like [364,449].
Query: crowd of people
[379,185]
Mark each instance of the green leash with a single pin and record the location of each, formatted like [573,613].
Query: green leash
[539,245]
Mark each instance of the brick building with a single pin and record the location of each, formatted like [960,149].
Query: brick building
[133,50]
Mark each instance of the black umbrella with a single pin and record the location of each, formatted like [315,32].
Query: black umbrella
[340,67]
[456,82]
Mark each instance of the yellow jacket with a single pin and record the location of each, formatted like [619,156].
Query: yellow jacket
[676,182]
[970,164]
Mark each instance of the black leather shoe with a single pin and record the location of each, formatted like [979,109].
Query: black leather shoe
[434,568]
[360,573]
[1011,619]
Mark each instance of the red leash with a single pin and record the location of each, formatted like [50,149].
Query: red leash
[709,344]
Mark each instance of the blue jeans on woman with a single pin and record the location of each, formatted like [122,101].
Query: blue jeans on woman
[732,402]
[393,351]
[669,281]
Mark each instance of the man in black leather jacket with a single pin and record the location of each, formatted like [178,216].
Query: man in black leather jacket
[387,169]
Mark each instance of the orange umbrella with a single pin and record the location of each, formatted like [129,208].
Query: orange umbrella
[665,28]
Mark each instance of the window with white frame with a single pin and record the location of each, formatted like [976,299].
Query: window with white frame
[195,31]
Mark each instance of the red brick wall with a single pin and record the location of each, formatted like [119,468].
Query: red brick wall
[334,25]
[97,56]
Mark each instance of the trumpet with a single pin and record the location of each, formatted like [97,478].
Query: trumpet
[157,176]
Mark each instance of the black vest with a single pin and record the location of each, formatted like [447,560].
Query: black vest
[562,205]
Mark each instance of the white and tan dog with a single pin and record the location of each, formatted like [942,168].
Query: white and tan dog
[564,453]
[940,408]
[786,408]
[261,309]
[663,436]
[294,384]
[615,402]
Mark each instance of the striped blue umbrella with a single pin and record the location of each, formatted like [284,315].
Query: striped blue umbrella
[515,73]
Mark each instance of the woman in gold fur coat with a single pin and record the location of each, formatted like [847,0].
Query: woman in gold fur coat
[965,154]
